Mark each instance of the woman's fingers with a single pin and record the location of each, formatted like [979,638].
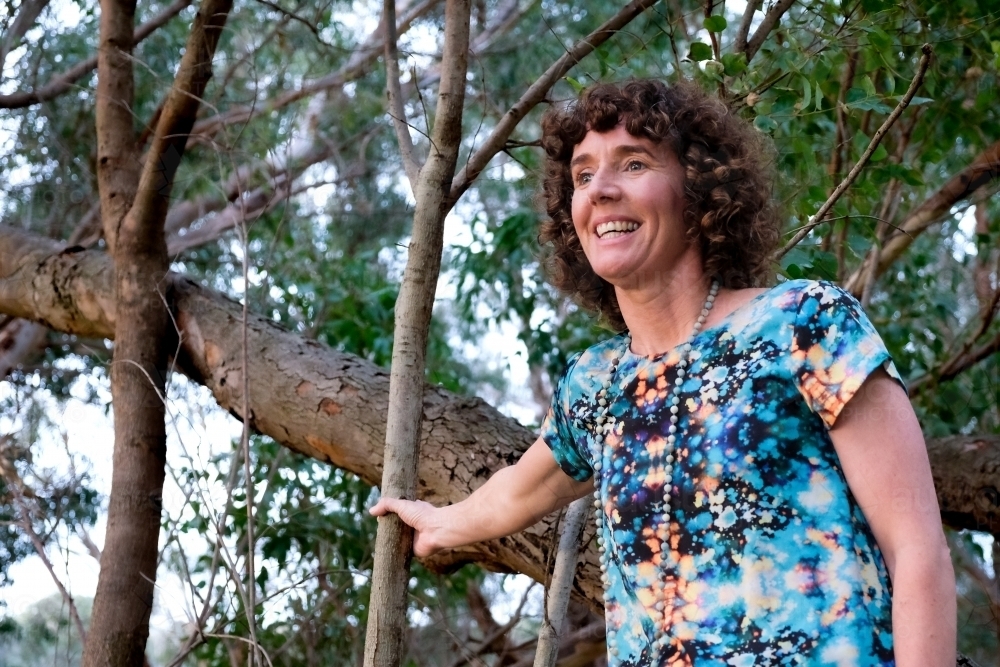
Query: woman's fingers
[408,510]
[414,513]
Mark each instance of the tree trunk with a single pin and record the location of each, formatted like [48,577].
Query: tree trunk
[133,215]
[331,406]
[394,541]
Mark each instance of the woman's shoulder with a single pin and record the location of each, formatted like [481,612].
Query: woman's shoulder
[791,294]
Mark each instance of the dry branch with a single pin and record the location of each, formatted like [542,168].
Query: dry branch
[563,572]
[64,82]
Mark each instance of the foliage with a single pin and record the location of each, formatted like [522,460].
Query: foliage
[326,262]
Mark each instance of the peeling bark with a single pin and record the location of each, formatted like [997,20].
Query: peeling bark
[331,406]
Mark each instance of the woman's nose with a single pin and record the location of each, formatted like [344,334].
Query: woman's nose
[604,185]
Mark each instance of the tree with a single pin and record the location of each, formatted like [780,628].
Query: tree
[299,108]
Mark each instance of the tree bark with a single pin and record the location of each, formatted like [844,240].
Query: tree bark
[387,621]
[133,215]
[331,406]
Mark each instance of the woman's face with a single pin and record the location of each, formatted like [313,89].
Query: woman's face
[628,207]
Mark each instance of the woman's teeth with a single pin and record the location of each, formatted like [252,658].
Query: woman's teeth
[609,230]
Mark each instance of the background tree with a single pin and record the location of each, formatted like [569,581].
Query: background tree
[293,139]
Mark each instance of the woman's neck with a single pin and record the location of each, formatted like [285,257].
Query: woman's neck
[661,310]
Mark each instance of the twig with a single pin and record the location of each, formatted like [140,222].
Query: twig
[395,96]
[251,606]
[925,60]
[537,92]
[557,600]
[25,523]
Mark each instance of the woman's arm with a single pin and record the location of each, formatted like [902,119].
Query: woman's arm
[513,499]
[884,458]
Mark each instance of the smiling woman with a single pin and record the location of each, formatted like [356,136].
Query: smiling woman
[761,487]
[726,174]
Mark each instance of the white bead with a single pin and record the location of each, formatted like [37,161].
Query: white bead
[673,419]
[674,409]
[680,372]
[672,429]
[678,382]
[669,458]
[668,470]
[602,402]
[671,439]
[607,383]
[597,467]
[675,401]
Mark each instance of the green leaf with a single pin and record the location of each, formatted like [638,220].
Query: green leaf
[735,63]
[765,124]
[700,51]
[806,94]
[868,86]
[916,100]
[880,154]
[879,38]
[818,96]
[715,23]
[575,85]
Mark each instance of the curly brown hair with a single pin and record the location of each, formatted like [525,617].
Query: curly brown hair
[728,167]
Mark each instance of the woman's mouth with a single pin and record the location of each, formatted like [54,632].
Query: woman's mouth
[609,230]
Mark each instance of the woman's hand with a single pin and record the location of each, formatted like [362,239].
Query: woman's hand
[513,499]
[422,517]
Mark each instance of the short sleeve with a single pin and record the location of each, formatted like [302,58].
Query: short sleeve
[557,431]
[835,348]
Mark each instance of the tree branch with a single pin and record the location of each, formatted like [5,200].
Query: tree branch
[24,521]
[395,97]
[925,60]
[984,169]
[63,82]
[537,92]
[557,600]
[364,57]
[764,29]
[743,31]
[27,14]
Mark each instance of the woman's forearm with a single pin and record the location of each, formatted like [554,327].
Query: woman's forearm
[513,499]
[924,615]
[496,509]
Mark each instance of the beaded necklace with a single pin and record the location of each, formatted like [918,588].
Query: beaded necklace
[601,455]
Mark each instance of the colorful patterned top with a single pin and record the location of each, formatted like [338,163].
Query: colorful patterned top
[772,561]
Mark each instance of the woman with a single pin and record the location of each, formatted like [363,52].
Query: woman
[762,490]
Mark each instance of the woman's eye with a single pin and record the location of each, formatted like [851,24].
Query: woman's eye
[583,178]
[634,165]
